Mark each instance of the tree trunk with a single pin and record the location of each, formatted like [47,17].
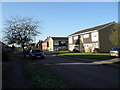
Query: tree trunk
[24,54]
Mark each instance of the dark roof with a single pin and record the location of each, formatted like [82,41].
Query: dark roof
[93,28]
[46,40]
[59,37]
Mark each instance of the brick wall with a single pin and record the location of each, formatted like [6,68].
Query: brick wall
[104,39]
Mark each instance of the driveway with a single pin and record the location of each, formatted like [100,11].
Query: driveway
[81,74]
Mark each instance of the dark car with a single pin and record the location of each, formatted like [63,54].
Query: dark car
[36,53]
[115,52]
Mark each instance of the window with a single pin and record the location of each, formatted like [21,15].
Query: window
[86,36]
[82,36]
[95,45]
[94,36]
[75,37]
[56,42]
[60,44]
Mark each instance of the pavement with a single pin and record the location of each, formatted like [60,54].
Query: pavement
[108,62]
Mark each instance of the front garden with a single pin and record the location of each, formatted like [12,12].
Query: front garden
[87,55]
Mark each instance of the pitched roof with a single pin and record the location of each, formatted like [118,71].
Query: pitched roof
[93,28]
[59,37]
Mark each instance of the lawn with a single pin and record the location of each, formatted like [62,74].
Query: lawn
[18,55]
[57,52]
[40,77]
[87,55]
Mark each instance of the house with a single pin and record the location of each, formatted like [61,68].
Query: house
[55,43]
[88,39]
[39,44]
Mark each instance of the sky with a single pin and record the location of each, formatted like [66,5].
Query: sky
[60,19]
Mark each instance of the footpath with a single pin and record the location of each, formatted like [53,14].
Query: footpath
[108,62]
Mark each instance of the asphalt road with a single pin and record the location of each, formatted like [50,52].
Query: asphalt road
[81,74]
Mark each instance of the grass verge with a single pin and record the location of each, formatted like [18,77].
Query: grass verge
[58,52]
[116,62]
[18,55]
[87,55]
[39,77]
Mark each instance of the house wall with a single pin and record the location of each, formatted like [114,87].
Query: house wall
[87,47]
[70,43]
[44,46]
[104,39]
[58,47]
[51,44]
[88,41]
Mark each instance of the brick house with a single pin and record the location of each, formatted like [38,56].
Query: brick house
[88,39]
[55,43]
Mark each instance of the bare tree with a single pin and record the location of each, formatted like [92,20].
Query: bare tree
[21,31]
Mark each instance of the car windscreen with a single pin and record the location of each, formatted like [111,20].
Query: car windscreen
[116,49]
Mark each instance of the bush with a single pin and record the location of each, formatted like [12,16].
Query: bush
[74,50]
[5,56]
[96,50]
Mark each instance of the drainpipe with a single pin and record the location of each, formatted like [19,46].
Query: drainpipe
[79,43]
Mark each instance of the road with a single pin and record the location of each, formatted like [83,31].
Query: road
[81,74]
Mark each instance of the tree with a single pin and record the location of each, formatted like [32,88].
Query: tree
[21,31]
[115,37]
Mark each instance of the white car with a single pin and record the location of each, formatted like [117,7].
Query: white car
[115,52]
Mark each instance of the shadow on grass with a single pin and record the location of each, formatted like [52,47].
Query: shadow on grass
[94,57]
[18,55]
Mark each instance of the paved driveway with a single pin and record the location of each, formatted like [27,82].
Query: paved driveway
[81,74]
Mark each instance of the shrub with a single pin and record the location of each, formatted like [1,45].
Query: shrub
[5,56]
[96,50]
[74,50]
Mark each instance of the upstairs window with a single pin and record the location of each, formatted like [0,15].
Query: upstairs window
[75,37]
[94,36]
[86,36]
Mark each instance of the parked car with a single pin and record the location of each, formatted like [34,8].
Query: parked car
[27,51]
[115,52]
[36,53]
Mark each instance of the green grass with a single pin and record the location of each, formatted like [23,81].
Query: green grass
[57,52]
[18,55]
[87,55]
[40,77]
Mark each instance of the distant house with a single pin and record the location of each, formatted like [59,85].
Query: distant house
[55,44]
[88,39]
[39,44]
